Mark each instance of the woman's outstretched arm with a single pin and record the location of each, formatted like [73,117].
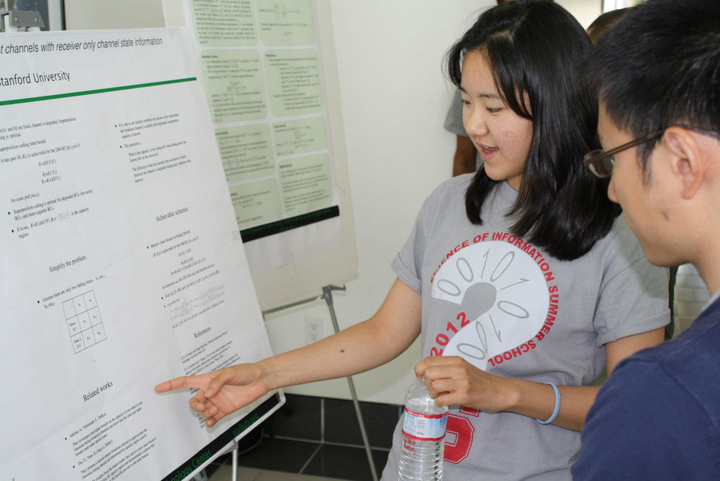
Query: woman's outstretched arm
[358,348]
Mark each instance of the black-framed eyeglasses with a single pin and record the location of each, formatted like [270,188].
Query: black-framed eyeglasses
[601,163]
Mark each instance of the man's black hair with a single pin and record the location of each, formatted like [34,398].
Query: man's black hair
[660,66]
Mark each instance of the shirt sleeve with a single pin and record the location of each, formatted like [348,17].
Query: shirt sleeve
[408,264]
[405,265]
[633,296]
[644,425]
[453,119]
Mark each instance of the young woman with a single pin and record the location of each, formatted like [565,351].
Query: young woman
[522,279]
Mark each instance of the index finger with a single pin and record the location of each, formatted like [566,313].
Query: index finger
[437,367]
[435,361]
[177,383]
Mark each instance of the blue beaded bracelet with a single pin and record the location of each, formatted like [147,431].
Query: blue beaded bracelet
[557,405]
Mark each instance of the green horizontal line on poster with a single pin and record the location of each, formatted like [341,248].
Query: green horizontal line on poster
[93,92]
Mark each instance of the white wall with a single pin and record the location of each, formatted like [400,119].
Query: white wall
[393,101]
[585,11]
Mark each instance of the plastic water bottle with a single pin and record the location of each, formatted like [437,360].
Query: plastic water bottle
[423,436]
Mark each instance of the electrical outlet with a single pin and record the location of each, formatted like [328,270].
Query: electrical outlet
[313,329]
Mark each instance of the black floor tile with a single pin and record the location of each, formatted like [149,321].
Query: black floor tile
[299,418]
[345,463]
[279,455]
[342,426]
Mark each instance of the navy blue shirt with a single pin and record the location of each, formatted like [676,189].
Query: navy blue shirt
[658,415]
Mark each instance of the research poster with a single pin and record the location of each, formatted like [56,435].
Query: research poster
[122,265]
[260,66]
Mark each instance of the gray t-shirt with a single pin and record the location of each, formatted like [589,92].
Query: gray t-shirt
[511,309]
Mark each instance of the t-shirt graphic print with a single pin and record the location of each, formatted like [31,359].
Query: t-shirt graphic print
[498,294]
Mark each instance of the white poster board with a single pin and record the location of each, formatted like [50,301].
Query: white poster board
[121,261]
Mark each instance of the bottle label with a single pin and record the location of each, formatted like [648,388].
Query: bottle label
[424,427]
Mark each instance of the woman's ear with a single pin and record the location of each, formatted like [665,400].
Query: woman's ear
[687,159]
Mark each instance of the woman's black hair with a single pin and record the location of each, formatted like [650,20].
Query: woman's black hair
[535,48]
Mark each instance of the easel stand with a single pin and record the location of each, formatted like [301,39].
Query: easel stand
[327,296]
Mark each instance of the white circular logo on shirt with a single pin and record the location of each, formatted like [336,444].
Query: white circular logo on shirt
[502,290]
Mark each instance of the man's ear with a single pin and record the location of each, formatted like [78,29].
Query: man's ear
[688,161]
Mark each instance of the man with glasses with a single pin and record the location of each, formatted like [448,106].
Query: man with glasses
[657,74]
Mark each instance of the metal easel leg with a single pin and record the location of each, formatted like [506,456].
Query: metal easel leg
[235,463]
[327,295]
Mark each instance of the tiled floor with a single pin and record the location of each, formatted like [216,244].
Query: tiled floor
[250,474]
[313,439]
[276,459]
